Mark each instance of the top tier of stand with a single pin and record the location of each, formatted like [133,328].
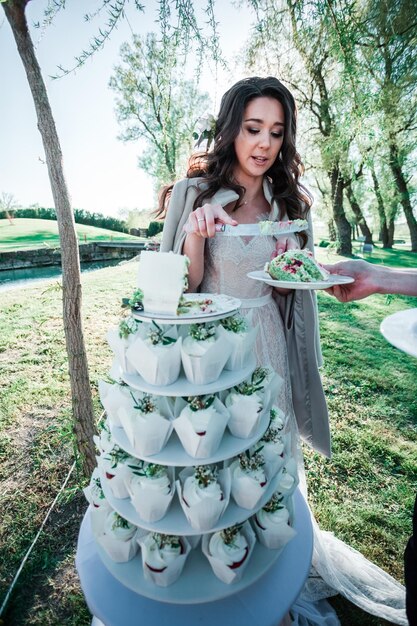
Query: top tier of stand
[225,306]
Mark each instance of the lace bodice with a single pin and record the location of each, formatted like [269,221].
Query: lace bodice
[227,261]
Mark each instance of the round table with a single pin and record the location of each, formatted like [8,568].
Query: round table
[264,603]
[400,330]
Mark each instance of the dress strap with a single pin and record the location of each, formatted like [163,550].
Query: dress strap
[255,303]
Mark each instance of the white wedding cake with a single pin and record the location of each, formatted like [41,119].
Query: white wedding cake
[182,481]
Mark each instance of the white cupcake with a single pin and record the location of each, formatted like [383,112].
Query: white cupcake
[163,557]
[241,336]
[151,488]
[287,479]
[99,507]
[104,440]
[114,467]
[249,479]
[147,423]
[119,538]
[277,418]
[204,354]
[114,396]
[120,339]
[273,446]
[245,404]
[229,551]
[272,523]
[156,354]
[204,495]
[201,424]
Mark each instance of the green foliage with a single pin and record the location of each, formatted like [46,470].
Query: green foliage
[80,215]
[155,104]
[26,233]
[154,228]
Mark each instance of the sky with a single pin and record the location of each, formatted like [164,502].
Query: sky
[101,171]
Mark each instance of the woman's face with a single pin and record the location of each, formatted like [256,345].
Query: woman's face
[260,138]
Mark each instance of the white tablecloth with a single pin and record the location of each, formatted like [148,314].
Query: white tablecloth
[262,604]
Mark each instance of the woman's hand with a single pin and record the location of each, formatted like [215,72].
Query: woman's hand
[202,222]
[287,242]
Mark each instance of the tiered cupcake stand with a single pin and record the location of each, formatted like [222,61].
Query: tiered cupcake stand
[118,593]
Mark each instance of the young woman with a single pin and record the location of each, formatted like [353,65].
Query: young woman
[253,173]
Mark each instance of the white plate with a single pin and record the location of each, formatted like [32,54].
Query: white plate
[174,521]
[182,387]
[400,329]
[222,306]
[334,279]
[173,454]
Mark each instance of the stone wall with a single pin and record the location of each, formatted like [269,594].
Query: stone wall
[43,257]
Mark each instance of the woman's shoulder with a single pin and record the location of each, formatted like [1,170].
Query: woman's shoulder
[198,183]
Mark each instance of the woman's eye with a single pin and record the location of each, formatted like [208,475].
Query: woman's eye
[253,131]
[277,135]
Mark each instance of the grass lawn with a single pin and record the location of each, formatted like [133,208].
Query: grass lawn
[27,233]
[364,494]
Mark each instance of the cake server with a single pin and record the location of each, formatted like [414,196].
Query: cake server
[276,229]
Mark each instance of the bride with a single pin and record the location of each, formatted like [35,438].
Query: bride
[253,173]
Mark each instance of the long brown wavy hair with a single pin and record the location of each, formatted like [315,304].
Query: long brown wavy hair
[217,166]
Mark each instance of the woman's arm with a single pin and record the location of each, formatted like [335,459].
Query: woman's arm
[194,249]
[370,279]
[201,224]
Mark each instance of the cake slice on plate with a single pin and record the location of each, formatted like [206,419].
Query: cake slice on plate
[296,265]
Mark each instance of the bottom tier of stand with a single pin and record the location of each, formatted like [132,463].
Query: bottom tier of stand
[271,585]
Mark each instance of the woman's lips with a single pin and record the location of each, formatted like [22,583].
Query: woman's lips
[259,160]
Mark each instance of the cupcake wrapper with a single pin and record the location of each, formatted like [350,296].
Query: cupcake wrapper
[115,371]
[117,484]
[98,517]
[205,514]
[102,444]
[220,569]
[149,504]
[241,347]
[276,538]
[291,468]
[201,447]
[157,366]
[119,551]
[113,397]
[272,461]
[145,436]
[244,418]
[205,369]
[119,346]
[171,573]
[246,492]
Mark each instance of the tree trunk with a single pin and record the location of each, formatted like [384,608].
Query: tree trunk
[359,216]
[343,227]
[404,194]
[383,227]
[71,276]
[332,229]
[390,229]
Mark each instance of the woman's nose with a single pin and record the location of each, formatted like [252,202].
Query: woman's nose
[264,140]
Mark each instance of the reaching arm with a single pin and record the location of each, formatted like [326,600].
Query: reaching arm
[201,224]
[370,279]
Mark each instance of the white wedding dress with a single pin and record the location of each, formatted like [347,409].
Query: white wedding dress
[337,568]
